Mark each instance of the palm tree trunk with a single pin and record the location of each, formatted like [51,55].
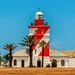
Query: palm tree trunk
[31,64]
[42,56]
[10,59]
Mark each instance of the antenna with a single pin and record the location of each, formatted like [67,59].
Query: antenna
[38,9]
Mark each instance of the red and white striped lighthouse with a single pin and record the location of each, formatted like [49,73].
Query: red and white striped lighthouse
[40,30]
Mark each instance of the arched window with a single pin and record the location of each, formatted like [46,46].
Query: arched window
[15,62]
[62,62]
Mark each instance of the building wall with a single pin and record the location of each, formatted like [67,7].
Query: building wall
[36,58]
[26,61]
[71,62]
[66,59]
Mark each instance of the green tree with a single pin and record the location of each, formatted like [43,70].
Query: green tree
[6,57]
[30,42]
[42,44]
[10,48]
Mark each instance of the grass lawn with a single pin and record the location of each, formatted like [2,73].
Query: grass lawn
[37,71]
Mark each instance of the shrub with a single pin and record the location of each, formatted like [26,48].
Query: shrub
[34,66]
[54,63]
[48,65]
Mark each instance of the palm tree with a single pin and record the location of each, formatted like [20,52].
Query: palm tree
[42,44]
[10,48]
[30,42]
[6,57]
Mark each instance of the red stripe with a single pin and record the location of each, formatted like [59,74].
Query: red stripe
[39,34]
[46,50]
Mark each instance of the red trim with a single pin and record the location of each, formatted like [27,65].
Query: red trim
[39,26]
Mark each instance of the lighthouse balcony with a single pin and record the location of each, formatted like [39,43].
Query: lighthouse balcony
[33,23]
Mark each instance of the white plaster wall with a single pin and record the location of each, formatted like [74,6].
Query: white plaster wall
[32,31]
[71,62]
[66,59]
[26,64]
[46,60]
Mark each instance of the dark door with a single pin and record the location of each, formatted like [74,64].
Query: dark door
[39,63]
[22,63]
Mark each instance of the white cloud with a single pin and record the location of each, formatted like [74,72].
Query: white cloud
[55,44]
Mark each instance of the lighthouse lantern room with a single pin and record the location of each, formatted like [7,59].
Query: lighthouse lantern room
[40,30]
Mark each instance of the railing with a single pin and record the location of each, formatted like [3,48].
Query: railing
[46,23]
[32,23]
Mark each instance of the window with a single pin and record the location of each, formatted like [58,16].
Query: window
[35,31]
[62,63]
[40,17]
[15,62]
[43,32]
[35,51]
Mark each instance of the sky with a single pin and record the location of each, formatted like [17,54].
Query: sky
[16,16]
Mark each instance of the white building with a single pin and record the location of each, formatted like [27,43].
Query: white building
[20,58]
[64,58]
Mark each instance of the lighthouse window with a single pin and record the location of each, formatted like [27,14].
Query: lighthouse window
[35,31]
[40,17]
[42,31]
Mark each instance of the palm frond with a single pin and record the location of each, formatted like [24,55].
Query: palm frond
[42,43]
[28,41]
[9,46]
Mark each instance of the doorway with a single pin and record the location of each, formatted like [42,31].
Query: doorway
[38,63]
[22,63]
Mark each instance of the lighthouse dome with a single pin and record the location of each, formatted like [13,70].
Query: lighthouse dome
[39,15]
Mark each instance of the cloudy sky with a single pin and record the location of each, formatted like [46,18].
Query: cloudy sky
[16,15]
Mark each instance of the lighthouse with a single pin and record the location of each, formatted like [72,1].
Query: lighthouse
[40,29]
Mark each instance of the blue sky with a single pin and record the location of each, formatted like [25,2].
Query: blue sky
[16,15]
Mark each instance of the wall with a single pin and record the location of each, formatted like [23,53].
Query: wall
[46,60]
[66,59]
[26,59]
[71,62]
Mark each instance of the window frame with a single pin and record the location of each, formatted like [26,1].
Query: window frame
[15,62]
[62,62]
